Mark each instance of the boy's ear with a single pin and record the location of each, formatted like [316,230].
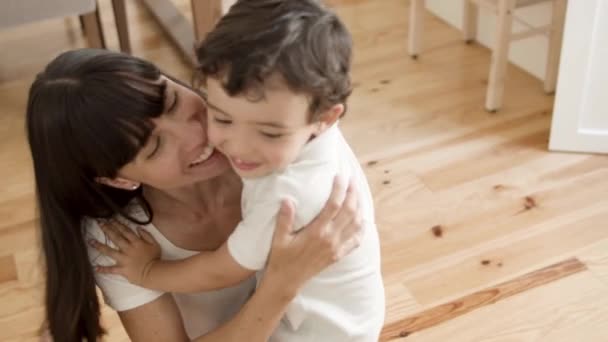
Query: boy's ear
[118,182]
[329,117]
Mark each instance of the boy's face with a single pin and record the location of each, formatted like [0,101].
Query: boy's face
[262,136]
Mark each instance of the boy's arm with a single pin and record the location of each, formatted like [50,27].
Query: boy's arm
[137,258]
[246,251]
[204,271]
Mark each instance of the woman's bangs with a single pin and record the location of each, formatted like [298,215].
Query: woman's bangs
[119,120]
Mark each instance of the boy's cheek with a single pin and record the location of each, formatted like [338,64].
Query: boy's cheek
[213,134]
[286,156]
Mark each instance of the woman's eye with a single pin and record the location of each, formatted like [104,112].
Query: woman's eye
[157,145]
[222,121]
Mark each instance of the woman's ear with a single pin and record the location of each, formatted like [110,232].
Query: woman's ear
[119,183]
[329,117]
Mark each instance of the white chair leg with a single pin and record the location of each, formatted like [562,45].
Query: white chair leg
[416,26]
[93,30]
[498,69]
[469,21]
[555,45]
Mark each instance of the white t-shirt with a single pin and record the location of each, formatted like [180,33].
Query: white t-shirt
[345,302]
[201,312]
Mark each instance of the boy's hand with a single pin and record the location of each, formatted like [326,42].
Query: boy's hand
[135,254]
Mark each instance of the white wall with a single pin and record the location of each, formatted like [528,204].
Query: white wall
[530,54]
[226,4]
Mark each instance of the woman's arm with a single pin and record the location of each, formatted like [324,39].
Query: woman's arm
[160,319]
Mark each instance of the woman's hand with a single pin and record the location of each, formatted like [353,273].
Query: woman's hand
[295,257]
[134,256]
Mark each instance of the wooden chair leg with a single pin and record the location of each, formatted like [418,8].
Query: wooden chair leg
[120,17]
[81,20]
[498,68]
[555,45]
[93,29]
[205,14]
[469,21]
[416,26]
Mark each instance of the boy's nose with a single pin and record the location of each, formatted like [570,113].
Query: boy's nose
[237,146]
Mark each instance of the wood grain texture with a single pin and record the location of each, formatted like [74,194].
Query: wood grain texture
[464,200]
[596,259]
[447,311]
[573,308]
[8,269]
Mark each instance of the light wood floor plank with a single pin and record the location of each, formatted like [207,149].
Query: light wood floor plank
[574,308]
[453,185]
[448,311]
[595,258]
[8,269]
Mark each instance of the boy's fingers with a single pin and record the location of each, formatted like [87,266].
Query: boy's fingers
[147,237]
[125,231]
[285,217]
[349,209]
[105,250]
[116,237]
[333,204]
[108,270]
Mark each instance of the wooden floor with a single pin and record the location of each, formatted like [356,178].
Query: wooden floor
[486,236]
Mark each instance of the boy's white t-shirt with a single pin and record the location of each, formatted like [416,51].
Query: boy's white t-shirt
[201,312]
[345,302]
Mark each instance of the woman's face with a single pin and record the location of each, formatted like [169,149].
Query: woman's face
[177,154]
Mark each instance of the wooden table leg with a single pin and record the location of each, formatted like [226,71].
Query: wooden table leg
[416,26]
[500,54]
[469,21]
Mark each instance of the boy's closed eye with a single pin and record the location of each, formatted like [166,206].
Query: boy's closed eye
[272,135]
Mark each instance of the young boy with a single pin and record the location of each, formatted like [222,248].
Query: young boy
[277,79]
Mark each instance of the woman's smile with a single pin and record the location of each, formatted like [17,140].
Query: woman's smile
[203,157]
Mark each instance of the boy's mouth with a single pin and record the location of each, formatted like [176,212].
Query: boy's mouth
[243,165]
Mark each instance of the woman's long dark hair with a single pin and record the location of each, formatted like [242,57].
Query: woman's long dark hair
[88,114]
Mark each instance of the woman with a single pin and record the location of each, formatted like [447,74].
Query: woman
[113,138]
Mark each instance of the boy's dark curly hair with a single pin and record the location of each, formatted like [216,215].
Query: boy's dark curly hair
[302,41]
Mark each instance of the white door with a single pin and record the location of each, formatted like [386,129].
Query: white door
[580,117]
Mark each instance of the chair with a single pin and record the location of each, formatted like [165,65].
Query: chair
[503,37]
[19,12]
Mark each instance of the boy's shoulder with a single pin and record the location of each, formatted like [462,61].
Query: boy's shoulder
[312,173]
[294,182]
